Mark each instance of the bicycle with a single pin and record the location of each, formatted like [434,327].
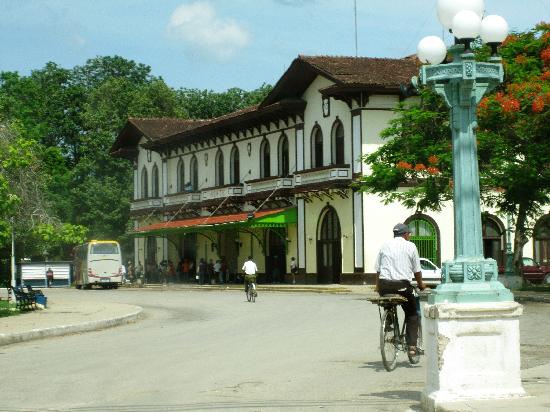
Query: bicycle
[251,291]
[392,335]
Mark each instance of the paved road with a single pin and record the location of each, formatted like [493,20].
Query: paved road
[215,351]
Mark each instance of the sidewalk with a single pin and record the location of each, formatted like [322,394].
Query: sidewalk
[64,315]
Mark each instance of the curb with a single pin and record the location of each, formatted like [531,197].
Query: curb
[539,299]
[10,338]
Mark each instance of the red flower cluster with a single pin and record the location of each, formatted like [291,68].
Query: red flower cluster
[404,165]
[419,167]
[545,56]
[508,103]
[433,160]
[546,75]
[520,59]
[538,104]
[432,170]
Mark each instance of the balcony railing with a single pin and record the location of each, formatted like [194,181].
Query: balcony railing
[323,174]
[269,184]
[182,198]
[221,192]
[148,203]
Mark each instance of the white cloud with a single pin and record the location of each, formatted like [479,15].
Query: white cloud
[203,31]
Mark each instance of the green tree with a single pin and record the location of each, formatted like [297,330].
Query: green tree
[207,104]
[513,148]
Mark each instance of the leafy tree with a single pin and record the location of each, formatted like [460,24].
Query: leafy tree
[207,104]
[514,125]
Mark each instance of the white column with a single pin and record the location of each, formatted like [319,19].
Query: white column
[300,148]
[301,226]
[136,183]
[356,141]
[358,229]
[164,178]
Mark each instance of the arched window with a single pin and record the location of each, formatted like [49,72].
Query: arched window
[541,241]
[338,147]
[144,183]
[235,173]
[424,235]
[194,174]
[316,147]
[181,176]
[219,169]
[155,181]
[265,159]
[284,158]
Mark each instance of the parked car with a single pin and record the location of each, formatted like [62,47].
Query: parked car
[533,272]
[431,273]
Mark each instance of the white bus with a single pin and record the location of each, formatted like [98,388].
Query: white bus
[98,262]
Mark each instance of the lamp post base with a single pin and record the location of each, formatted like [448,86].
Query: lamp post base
[470,280]
[472,352]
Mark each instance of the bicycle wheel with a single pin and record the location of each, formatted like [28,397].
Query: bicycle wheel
[389,338]
[252,288]
[249,293]
[414,359]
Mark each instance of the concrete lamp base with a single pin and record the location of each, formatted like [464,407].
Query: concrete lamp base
[472,352]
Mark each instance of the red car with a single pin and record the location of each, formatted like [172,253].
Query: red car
[533,272]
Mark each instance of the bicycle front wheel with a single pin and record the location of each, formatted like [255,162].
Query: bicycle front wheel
[252,289]
[389,338]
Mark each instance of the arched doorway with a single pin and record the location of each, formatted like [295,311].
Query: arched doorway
[541,240]
[424,235]
[275,259]
[329,248]
[151,272]
[492,230]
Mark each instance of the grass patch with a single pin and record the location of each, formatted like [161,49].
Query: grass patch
[7,309]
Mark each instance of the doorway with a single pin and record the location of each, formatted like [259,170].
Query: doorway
[275,259]
[329,248]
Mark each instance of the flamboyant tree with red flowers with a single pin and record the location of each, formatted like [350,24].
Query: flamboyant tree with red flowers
[513,137]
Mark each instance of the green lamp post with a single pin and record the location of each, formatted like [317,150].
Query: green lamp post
[469,277]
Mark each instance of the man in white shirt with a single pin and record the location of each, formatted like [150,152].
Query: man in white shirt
[396,264]
[250,270]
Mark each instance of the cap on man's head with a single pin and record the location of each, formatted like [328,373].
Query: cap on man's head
[401,229]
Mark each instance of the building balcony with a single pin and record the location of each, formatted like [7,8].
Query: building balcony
[325,174]
[221,192]
[144,204]
[182,198]
[269,184]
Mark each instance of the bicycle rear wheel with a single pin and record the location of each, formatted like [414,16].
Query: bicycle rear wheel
[389,338]
[249,292]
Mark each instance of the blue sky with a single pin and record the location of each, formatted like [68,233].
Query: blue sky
[218,44]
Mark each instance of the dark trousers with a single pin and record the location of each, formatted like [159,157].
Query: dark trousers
[403,288]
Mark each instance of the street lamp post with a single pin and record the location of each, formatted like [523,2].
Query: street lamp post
[471,321]
[509,269]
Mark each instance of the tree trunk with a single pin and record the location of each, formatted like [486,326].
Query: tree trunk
[520,239]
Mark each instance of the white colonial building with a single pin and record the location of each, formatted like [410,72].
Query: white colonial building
[273,180]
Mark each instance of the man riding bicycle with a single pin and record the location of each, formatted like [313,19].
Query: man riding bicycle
[397,260]
[250,270]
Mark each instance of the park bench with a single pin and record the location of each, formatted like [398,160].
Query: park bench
[23,300]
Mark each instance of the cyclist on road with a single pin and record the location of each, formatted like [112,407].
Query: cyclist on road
[250,270]
[396,264]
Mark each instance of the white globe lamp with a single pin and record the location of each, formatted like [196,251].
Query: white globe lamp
[493,31]
[447,9]
[466,25]
[432,50]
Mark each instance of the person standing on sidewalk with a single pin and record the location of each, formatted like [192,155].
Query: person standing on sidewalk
[293,269]
[396,264]
[218,271]
[49,277]
[202,271]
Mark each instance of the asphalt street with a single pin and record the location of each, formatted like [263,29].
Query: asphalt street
[215,351]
